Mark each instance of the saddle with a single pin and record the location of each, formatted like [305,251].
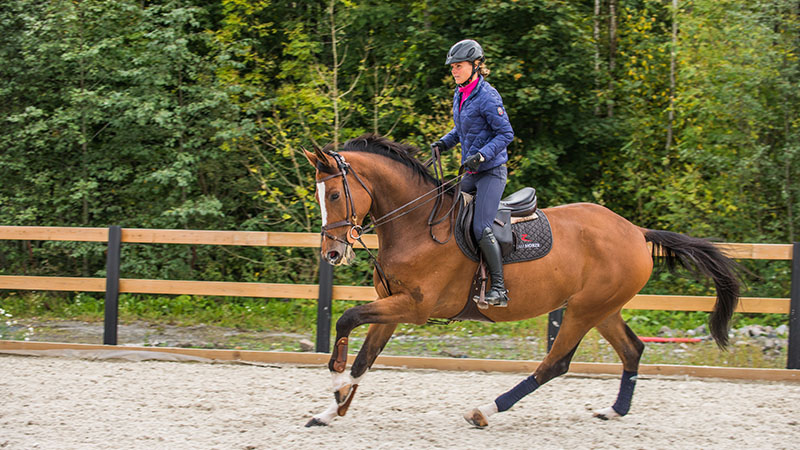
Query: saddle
[522,230]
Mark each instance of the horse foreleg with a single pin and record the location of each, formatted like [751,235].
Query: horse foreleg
[630,349]
[556,363]
[344,389]
[384,314]
[377,337]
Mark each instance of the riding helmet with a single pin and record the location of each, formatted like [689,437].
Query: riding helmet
[466,50]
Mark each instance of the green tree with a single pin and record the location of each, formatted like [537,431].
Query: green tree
[61,65]
[737,117]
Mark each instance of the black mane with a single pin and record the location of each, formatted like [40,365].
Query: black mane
[379,145]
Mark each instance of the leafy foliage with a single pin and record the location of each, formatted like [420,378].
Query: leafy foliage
[193,114]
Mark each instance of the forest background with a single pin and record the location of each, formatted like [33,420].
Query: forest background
[681,115]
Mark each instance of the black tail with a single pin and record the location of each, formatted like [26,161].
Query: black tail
[702,258]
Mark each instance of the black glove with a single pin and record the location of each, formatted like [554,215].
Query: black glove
[474,161]
[439,145]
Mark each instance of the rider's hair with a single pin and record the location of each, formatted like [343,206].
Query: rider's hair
[484,70]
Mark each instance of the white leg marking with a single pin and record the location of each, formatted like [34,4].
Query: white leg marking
[488,409]
[340,380]
[343,379]
[322,210]
[606,414]
[329,414]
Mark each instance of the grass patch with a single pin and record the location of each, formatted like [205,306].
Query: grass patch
[234,312]
[299,315]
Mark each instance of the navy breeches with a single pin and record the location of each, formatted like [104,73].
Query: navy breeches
[487,187]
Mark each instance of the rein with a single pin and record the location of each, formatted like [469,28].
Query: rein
[438,173]
[350,210]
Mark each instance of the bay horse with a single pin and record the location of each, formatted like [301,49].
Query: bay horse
[598,262]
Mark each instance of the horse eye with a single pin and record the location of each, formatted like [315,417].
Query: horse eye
[334,196]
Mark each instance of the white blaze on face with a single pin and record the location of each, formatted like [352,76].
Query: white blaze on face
[321,194]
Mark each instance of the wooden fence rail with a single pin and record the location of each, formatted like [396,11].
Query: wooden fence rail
[324,292]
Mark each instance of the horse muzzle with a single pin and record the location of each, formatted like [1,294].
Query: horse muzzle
[339,254]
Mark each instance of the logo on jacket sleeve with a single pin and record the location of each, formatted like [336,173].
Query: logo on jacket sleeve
[500,110]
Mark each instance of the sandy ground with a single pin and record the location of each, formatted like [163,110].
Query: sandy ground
[68,403]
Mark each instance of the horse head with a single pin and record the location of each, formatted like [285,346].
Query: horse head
[344,202]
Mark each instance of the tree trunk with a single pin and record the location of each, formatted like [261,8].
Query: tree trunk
[85,139]
[375,99]
[672,57]
[789,197]
[335,74]
[596,36]
[612,52]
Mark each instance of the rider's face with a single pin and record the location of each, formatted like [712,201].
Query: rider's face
[461,71]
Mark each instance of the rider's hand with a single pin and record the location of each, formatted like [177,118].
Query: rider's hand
[474,161]
[439,145]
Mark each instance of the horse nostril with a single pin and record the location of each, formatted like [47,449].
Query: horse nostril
[333,256]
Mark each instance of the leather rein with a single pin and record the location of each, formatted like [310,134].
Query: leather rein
[357,231]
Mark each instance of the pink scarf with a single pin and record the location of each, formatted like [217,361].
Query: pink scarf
[466,90]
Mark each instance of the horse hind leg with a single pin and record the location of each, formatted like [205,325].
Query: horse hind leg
[629,348]
[556,363]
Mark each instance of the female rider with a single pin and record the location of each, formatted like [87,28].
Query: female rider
[484,131]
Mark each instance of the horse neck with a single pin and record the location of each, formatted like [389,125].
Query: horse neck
[393,186]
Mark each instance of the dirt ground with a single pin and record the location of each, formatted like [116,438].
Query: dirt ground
[70,403]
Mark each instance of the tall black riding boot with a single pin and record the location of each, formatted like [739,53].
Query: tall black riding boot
[497,295]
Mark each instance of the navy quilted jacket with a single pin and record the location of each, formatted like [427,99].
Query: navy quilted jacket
[481,125]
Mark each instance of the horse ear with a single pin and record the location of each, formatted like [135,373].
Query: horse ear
[323,157]
[319,157]
[311,157]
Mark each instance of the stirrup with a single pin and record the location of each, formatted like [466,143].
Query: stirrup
[499,302]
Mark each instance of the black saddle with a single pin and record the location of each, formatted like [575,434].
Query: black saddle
[521,203]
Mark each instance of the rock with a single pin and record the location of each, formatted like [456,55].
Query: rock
[772,344]
[306,345]
[666,331]
[782,330]
[453,354]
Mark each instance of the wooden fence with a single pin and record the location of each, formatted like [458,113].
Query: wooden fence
[112,285]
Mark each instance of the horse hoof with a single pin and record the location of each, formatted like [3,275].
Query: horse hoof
[476,418]
[314,422]
[606,414]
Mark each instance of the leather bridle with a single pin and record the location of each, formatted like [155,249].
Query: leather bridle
[350,208]
[357,231]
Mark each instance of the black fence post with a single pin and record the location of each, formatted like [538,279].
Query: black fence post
[553,325]
[324,302]
[793,353]
[112,285]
